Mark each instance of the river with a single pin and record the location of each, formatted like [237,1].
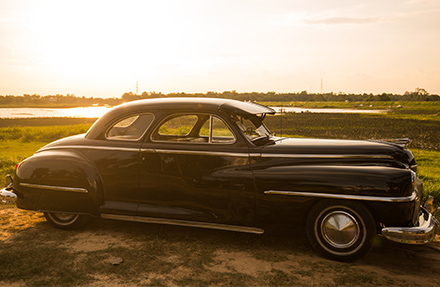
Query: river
[82,112]
[95,112]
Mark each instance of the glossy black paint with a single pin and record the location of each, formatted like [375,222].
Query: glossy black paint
[218,183]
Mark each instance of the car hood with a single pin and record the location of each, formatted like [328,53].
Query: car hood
[328,148]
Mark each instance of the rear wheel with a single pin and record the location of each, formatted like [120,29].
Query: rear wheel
[342,231]
[66,221]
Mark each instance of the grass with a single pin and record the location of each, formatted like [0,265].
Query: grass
[428,169]
[424,134]
[43,134]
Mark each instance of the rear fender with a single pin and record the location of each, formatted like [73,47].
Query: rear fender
[58,180]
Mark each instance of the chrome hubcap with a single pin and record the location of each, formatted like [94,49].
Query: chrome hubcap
[340,229]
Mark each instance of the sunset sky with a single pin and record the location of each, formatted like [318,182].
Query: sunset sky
[102,48]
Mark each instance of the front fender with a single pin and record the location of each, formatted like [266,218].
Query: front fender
[58,180]
[289,191]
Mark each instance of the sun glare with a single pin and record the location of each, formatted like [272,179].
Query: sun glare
[106,39]
[87,112]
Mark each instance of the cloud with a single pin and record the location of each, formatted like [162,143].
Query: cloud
[345,20]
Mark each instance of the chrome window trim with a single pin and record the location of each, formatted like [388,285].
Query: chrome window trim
[211,123]
[408,198]
[188,223]
[56,188]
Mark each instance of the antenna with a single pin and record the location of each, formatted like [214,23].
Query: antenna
[281,110]
[137,90]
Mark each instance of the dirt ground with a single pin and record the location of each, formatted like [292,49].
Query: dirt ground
[114,253]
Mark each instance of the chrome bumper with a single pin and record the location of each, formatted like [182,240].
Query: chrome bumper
[6,194]
[7,197]
[423,233]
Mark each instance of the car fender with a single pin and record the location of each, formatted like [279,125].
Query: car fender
[58,181]
[289,191]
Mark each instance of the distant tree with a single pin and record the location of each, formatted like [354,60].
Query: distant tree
[127,97]
[318,98]
[384,98]
[421,92]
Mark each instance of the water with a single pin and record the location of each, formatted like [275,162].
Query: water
[83,112]
[96,112]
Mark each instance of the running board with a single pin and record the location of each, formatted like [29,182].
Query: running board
[184,223]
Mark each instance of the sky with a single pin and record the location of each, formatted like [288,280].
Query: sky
[103,48]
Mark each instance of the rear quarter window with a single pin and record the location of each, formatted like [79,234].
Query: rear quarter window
[131,128]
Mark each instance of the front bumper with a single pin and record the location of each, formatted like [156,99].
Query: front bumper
[425,232]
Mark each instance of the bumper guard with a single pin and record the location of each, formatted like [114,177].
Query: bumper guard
[423,233]
[7,196]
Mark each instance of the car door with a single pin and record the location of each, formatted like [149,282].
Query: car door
[117,157]
[195,168]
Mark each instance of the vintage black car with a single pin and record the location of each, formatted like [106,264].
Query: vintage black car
[212,163]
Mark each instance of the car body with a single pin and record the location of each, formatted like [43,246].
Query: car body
[212,163]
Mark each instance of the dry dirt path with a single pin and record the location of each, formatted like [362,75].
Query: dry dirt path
[113,253]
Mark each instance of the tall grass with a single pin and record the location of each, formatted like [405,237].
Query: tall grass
[41,134]
[424,133]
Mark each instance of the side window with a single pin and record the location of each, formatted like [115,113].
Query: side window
[131,128]
[199,128]
[178,128]
[217,131]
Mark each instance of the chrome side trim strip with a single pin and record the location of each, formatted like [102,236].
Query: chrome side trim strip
[170,151]
[327,156]
[184,223]
[191,152]
[56,188]
[346,196]
[92,147]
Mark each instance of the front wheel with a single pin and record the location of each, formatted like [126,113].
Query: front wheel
[66,221]
[342,231]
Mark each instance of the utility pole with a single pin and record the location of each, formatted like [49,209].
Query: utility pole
[137,90]
[321,87]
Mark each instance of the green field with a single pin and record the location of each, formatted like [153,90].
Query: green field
[418,121]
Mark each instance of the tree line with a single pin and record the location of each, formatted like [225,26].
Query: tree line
[418,95]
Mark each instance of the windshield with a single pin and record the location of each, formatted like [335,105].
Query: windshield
[253,128]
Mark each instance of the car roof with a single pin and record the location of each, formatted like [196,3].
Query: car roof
[232,107]
[200,103]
